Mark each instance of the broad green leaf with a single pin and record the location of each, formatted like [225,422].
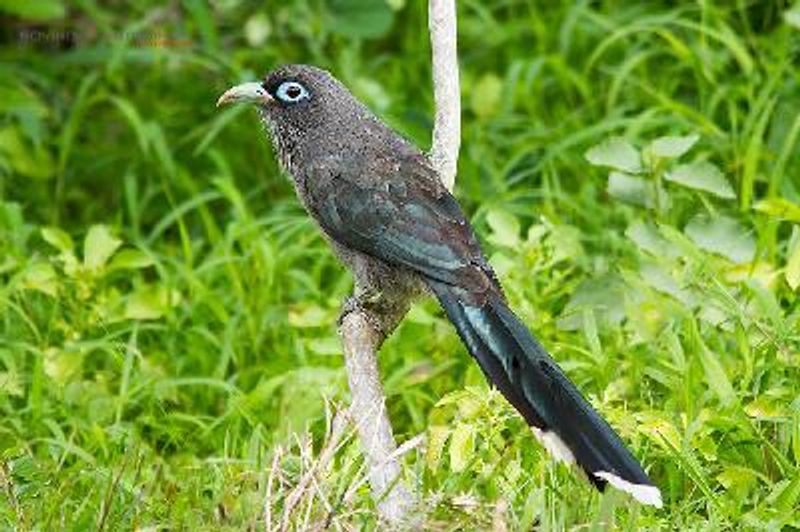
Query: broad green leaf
[149,303]
[58,238]
[617,153]
[708,448]
[635,190]
[366,19]
[627,188]
[715,314]
[683,244]
[660,430]
[453,398]
[130,259]
[737,478]
[764,408]
[702,176]
[566,243]
[792,271]
[469,407]
[505,228]
[486,95]
[763,272]
[660,279]
[535,234]
[605,296]
[672,147]
[62,365]
[787,499]
[462,444]
[648,238]
[724,236]
[589,327]
[10,384]
[437,437]
[98,246]
[780,208]
[502,264]
[716,376]
[40,276]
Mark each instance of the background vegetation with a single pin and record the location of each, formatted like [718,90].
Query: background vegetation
[168,356]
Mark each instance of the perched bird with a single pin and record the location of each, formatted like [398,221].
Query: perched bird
[380,204]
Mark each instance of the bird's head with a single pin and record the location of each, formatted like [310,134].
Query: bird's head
[291,88]
[296,98]
[310,114]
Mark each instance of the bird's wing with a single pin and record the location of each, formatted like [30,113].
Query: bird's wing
[405,218]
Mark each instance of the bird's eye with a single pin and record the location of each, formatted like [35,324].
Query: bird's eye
[291,92]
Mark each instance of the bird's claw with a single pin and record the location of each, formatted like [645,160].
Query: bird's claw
[367,304]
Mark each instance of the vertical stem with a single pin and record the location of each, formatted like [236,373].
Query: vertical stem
[446,90]
[360,340]
[368,408]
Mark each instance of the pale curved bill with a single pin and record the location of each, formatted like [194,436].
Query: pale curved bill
[246,92]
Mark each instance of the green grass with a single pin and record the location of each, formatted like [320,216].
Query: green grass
[168,356]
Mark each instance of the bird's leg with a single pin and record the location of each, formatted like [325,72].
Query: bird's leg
[365,303]
[362,301]
[381,311]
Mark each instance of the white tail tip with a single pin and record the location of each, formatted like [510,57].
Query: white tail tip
[554,445]
[644,493]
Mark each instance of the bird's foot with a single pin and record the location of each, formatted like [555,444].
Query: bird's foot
[367,303]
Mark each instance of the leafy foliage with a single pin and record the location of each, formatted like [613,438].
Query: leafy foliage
[168,355]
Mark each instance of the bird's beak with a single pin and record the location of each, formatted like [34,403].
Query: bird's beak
[251,92]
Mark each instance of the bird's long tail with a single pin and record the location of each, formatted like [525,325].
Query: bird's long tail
[529,378]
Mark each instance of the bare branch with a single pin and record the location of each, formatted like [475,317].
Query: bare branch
[446,91]
[360,339]
[268,502]
[368,410]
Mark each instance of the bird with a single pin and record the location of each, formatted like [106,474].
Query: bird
[382,207]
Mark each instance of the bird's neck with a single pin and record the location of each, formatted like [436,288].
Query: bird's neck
[298,146]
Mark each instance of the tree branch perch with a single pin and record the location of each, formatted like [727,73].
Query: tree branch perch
[360,340]
[446,90]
